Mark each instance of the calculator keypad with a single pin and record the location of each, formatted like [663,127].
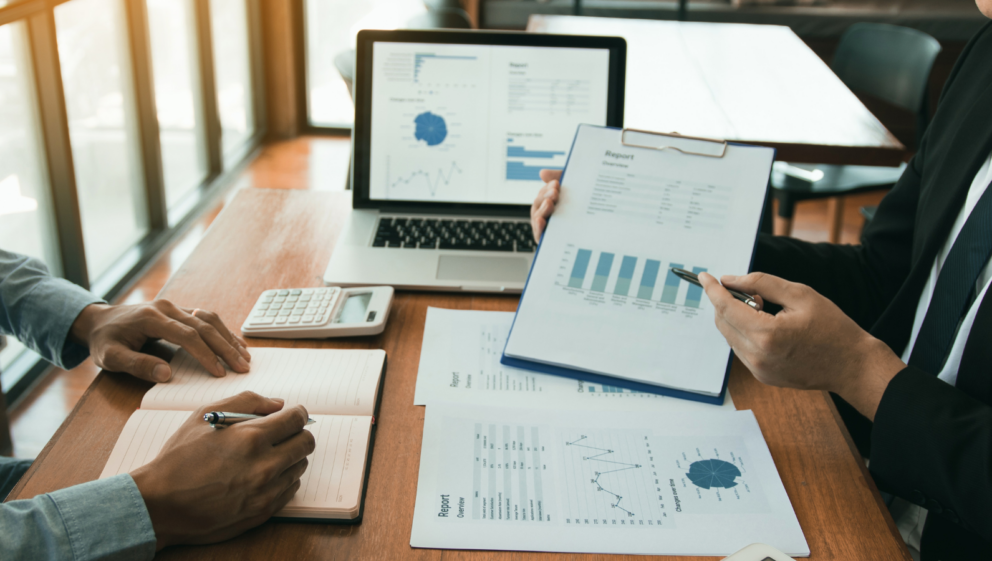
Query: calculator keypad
[299,307]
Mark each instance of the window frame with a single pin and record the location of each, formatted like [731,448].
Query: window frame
[165,224]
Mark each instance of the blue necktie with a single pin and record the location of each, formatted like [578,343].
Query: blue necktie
[955,289]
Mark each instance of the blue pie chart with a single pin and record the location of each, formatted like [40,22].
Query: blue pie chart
[713,473]
[431,128]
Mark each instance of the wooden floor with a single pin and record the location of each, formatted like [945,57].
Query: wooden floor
[319,163]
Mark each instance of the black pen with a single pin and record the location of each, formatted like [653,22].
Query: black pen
[694,279]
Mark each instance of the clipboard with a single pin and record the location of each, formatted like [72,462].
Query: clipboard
[690,146]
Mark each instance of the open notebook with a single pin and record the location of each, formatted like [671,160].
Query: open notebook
[341,390]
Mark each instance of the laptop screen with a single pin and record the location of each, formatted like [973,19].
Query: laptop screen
[471,123]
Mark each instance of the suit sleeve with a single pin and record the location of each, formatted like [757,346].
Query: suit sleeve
[932,445]
[861,280]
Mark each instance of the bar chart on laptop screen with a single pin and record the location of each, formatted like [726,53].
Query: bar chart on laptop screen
[643,282]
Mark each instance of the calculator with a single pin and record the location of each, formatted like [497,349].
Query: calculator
[318,313]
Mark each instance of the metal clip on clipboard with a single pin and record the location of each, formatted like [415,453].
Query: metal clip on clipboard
[689,145]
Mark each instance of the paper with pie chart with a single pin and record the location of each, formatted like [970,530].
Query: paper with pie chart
[674,483]
[477,123]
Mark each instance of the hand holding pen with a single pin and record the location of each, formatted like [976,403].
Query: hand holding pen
[692,278]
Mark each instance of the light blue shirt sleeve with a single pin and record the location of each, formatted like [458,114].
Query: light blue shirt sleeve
[38,309]
[104,519]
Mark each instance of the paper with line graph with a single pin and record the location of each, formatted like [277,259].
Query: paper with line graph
[685,483]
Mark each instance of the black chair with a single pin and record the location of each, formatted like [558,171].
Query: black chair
[441,18]
[6,444]
[888,62]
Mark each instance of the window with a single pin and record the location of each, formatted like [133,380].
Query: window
[331,27]
[171,28]
[26,224]
[72,125]
[95,75]
[232,67]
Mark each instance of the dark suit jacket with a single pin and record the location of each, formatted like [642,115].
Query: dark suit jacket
[931,443]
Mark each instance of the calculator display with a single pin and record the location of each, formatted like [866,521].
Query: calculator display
[354,308]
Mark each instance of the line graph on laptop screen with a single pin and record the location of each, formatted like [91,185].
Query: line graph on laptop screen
[477,123]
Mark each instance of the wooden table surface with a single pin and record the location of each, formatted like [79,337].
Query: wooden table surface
[758,84]
[283,239]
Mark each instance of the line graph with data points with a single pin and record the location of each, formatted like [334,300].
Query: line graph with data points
[610,481]
[422,178]
[613,467]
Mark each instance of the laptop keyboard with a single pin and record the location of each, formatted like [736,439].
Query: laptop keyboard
[442,233]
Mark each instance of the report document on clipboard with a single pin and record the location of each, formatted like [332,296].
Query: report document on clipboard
[601,302]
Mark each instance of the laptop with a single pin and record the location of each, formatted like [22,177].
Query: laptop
[451,131]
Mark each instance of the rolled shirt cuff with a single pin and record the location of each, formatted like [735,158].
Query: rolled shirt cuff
[56,303]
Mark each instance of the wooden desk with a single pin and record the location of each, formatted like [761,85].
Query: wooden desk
[751,83]
[277,239]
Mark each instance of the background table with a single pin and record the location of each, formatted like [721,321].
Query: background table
[283,239]
[758,84]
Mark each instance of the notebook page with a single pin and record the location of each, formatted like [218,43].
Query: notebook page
[325,381]
[332,483]
[142,439]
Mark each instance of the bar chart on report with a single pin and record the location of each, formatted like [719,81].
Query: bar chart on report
[628,277]
[524,163]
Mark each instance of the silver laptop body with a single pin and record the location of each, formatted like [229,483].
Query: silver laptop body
[442,180]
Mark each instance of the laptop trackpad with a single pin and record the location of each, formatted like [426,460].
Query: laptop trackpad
[468,268]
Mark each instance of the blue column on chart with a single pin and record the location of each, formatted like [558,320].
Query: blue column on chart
[695,293]
[602,271]
[671,285]
[579,268]
[648,279]
[626,274]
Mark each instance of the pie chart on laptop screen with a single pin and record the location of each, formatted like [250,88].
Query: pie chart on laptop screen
[431,128]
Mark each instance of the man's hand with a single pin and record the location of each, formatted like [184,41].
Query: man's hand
[115,335]
[208,485]
[809,345]
[544,203]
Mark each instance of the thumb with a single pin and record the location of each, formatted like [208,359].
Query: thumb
[119,358]
[248,402]
[549,175]
[769,287]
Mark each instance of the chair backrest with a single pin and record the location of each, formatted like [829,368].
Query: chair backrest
[441,4]
[441,18]
[345,63]
[889,62]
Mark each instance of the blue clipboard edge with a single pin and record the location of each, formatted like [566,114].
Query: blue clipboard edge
[612,380]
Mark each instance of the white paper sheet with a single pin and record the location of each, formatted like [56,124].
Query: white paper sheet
[459,363]
[684,483]
[600,297]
